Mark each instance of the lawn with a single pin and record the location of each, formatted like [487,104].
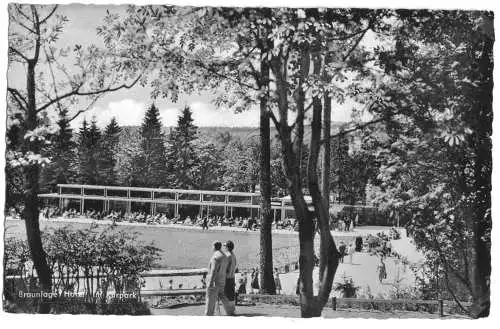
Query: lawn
[182,248]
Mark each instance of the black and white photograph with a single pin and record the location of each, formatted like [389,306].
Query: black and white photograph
[248,160]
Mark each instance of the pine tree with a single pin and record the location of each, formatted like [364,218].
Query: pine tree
[181,155]
[109,144]
[150,165]
[90,153]
[61,169]
[83,152]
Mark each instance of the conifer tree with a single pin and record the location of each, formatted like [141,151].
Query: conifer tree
[61,169]
[110,141]
[89,153]
[150,165]
[181,155]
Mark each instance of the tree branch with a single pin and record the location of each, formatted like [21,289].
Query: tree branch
[85,109]
[23,25]
[52,74]
[346,37]
[50,14]
[356,43]
[361,126]
[36,25]
[215,72]
[18,97]
[358,127]
[18,9]
[275,120]
[77,92]
[20,54]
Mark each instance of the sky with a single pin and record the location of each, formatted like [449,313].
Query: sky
[129,105]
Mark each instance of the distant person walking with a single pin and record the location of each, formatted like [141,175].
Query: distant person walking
[217,272]
[242,288]
[254,283]
[382,271]
[351,252]
[230,287]
[342,248]
[204,224]
[277,281]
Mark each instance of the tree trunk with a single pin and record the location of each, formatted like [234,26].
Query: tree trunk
[303,215]
[31,212]
[311,306]
[480,223]
[327,152]
[329,256]
[267,284]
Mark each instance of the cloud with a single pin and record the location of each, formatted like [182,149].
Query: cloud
[205,114]
[128,112]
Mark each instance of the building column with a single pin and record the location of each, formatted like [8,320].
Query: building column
[129,202]
[82,201]
[251,209]
[106,205]
[151,208]
[176,211]
[60,198]
[282,210]
[201,205]
[226,200]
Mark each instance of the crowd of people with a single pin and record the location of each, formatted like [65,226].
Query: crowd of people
[249,223]
[205,222]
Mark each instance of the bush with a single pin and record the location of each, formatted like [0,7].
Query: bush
[87,262]
[394,234]
[347,288]
[359,244]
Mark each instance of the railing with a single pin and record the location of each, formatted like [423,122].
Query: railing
[270,299]
[273,299]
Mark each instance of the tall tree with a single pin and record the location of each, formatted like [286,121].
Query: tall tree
[151,162]
[90,153]
[241,164]
[33,31]
[267,284]
[441,143]
[110,139]
[181,153]
[61,152]
[207,171]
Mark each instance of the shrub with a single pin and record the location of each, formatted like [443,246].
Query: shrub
[359,244]
[347,287]
[394,234]
[88,262]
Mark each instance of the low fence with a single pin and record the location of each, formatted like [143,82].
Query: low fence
[432,306]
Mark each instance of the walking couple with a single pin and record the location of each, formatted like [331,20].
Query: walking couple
[220,280]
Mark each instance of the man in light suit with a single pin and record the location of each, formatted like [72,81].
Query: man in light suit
[230,288]
[216,280]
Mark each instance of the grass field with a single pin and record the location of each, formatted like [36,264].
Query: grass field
[181,248]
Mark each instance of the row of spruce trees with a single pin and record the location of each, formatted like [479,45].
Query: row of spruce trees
[95,157]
